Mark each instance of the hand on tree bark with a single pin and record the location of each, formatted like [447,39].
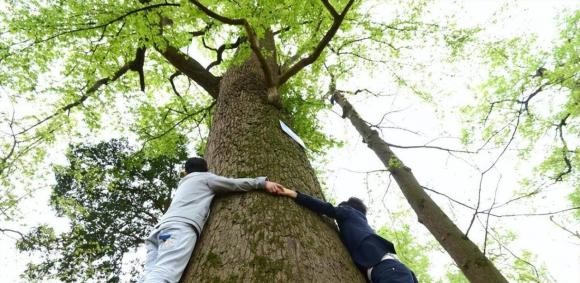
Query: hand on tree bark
[273,187]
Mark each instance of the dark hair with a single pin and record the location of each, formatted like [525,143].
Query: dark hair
[357,204]
[195,164]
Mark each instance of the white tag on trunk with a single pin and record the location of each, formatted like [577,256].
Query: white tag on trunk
[293,135]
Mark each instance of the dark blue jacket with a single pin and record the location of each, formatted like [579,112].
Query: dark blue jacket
[365,247]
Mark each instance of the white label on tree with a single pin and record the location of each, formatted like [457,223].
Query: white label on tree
[293,135]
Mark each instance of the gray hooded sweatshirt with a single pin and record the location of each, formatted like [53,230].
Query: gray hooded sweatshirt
[195,192]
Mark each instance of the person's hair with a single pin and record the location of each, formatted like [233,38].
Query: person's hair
[357,204]
[195,164]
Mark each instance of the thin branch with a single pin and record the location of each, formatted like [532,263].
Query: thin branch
[171,78]
[488,214]
[490,167]
[400,129]
[29,147]
[563,227]
[449,198]
[365,172]
[20,234]
[537,214]
[5,158]
[366,90]
[220,50]
[532,193]
[304,62]
[560,130]
[185,118]
[252,38]
[104,81]
[387,190]
[515,256]
[357,55]
[103,26]
[6,230]
[377,124]
[431,147]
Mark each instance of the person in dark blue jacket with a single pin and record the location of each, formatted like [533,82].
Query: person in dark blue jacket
[374,255]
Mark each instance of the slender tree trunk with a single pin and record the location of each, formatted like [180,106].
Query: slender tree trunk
[256,237]
[472,262]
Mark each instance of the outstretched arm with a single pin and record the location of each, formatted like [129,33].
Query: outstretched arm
[312,203]
[222,184]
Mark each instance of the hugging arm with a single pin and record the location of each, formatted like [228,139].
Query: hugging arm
[223,184]
[312,203]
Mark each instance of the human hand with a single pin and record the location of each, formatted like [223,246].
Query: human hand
[288,193]
[273,187]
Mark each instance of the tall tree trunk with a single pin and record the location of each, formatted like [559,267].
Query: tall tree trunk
[472,262]
[256,237]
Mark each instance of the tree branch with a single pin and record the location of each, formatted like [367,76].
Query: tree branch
[104,81]
[103,26]
[488,214]
[192,69]
[14,143]
[185,118]
[22,237]
[512,137]
[252,38]
[338,19]
[431,147]
[536,214]
[220,50]
[560,130]
[448,197]
[212,14]
[171,78]
[12,231]
[137,65]
[563,227]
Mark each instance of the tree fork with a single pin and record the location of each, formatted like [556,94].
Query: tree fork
[472,262]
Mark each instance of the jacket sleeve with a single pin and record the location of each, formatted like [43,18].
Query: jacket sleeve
[318,206]
[221,184]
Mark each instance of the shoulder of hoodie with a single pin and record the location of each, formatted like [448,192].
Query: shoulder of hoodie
[193,175]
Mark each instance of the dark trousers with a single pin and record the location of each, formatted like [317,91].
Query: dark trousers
[392,271]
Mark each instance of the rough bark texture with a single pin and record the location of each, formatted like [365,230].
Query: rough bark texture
[256,237]
[472,262]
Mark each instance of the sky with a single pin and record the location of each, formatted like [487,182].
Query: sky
[346,166]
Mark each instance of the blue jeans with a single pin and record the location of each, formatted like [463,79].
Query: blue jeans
[168,250]
[392,271]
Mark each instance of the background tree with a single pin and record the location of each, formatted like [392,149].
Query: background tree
[112,195]
[469,258]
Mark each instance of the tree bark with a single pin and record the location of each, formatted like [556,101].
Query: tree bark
[256,237]
[472,262]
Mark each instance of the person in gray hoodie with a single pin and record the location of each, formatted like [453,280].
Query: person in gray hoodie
[171,242]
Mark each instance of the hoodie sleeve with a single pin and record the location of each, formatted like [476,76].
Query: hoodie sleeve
[221,184]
